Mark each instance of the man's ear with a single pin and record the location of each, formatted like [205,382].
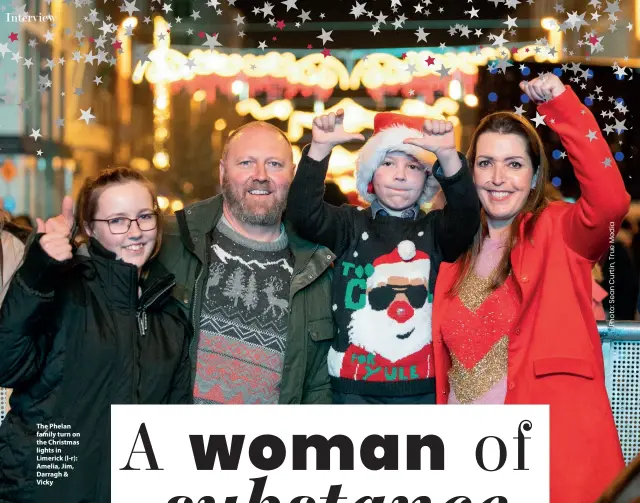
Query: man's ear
[221,171]
[87,230]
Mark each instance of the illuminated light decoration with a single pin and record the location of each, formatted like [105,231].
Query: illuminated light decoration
[341,163]
[131,21]
[123,87]
[274,73]
[297,155]
[455,90]
[161,134]
[9,203]
[318,107]
[161,102]
[548,23]
[8,170]
[237,87]
[357,118]
[638,19]
[439,110]
[346,184]
[199,95]
[163,202]
[314,70]
[161,160]
[140,164]
[281,109]
[220,125]
[282,75]
[383,74]
[554,37]
[471,100]
[176,205]
[70,165]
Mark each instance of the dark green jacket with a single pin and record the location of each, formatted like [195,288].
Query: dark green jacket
[305,378]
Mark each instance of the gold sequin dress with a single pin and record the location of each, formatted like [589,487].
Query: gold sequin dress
[476,332]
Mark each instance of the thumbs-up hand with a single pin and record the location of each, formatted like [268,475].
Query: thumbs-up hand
[57,232]
[63,222]
[327,132]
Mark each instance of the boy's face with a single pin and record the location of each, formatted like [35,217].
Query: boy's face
[399,181]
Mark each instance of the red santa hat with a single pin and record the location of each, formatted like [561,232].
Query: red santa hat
[389,132]
[395,264]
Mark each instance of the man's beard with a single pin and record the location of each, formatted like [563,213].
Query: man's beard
[236,201]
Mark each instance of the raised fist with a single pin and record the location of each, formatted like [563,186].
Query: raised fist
[543,88]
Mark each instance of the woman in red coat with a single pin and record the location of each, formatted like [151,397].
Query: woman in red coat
[512,319]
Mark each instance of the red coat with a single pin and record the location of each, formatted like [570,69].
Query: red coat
[555,354]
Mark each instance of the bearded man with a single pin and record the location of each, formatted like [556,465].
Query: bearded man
[257,295]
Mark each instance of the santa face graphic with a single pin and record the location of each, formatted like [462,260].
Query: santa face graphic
[390,336]
[392,322]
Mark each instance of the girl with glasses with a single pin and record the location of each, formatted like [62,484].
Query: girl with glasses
[82,328]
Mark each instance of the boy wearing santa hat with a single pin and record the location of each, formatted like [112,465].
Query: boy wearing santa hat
[387,255]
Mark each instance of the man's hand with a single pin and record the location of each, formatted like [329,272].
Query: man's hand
[327,132]
[438,137]
[57,233]
[543,88]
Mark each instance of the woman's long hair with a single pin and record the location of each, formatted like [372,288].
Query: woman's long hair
[92,189]
[507,123]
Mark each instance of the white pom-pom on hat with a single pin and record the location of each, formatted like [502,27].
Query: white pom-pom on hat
[407,250]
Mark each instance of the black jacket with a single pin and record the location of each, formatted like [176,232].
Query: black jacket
[74,339]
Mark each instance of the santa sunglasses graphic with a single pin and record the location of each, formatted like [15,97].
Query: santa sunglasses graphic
[389,337]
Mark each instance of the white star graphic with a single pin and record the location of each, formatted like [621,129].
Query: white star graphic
[86,115]
[212,42]
[539,119]
[325,36]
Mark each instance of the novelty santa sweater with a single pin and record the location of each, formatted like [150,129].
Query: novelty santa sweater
[384,278]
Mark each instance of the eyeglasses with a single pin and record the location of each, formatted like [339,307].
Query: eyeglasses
[380,298]
[121,225]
